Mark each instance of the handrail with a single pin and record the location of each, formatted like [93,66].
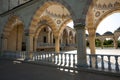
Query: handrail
[101,61]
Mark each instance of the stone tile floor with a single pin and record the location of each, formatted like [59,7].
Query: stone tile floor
[15,70]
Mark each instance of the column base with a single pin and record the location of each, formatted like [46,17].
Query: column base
[82,65]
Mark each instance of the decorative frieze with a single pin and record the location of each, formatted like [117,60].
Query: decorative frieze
[107,6]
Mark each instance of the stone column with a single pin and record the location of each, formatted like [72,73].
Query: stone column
[92,40]
[115,43]
[57,44]
[48,37]
[81,46]
[1,44]
[29,45]
[102,41]
[92,36]
[19,39]
[35,44]
[4,44]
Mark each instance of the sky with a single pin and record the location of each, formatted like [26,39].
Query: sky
[109,23]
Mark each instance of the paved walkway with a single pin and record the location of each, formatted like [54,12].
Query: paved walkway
[12,70]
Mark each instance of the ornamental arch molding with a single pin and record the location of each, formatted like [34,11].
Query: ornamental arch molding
[43,7]
[46,20]
[13,33]
[11,23]
[78,17]
[105,15]
[63,26]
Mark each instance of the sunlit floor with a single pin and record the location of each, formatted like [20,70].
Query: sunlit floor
[105,51]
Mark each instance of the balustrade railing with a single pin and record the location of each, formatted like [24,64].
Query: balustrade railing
[104,62]
[61,59]
[45,44]
[69,60]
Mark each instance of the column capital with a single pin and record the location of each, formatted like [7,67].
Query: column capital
[29,32]
[79,26]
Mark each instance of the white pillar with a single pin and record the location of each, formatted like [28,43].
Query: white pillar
[81,45]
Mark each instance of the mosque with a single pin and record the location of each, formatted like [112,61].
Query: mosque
[41,25]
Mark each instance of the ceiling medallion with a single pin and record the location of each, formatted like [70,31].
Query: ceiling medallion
[58,21]
[97,14]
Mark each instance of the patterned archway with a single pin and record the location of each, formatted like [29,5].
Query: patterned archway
[12,21]
[46,20]
[105,15]
[13,34]
[63,26]
[39,12]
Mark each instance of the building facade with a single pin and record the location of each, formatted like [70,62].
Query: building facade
[27,24]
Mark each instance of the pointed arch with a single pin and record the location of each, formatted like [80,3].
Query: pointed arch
[105,15]
[48,21]
[13,34]
[38,13]
[63,26]
[12,21]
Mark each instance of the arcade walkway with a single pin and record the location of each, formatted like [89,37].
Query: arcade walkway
[11,70]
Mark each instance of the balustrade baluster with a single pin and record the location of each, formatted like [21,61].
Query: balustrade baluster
[24,53]
[116,63]
[51,56]
[61,59]
[48,57]
[96,61]
[65,62]
[109,63]
[54,54]
[33,57]
[37,54]
[90,61]
[102,61]
[42,56]
[45,56]
[69,60]
[58,58]
[73,60]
